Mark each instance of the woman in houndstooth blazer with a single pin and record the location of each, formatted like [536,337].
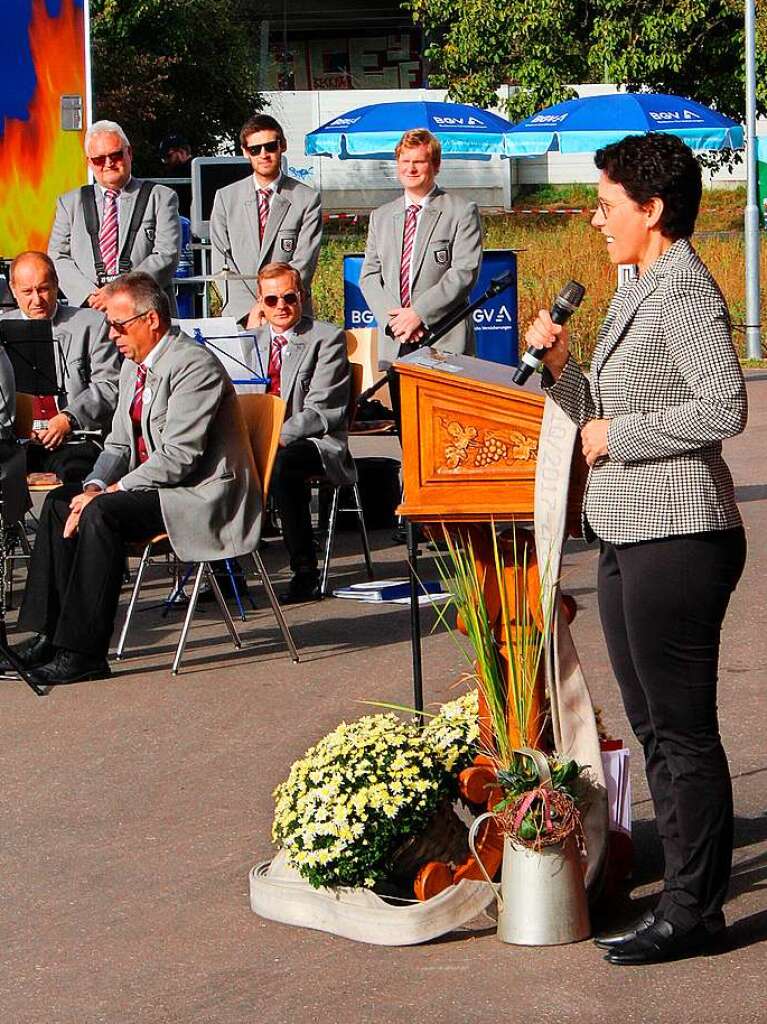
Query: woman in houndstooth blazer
[665,388]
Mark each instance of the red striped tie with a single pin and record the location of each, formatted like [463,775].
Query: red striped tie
[274,373]
[264,195]
[411,221]
[136,409]
[109,231]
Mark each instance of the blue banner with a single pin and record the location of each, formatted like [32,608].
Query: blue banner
[495,323]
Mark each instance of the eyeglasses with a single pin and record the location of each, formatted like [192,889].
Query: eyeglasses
[289,298]
[607,208]
[120,325]
[270,147]
[115,157]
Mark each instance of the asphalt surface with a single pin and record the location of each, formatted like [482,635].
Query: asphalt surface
[133,808]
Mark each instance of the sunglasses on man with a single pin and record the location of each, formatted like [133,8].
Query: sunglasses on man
[289,298]
[270,147]
[114,158]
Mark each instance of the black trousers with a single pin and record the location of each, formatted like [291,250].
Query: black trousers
[662,604]
[70,462]
[294,465]
[74,585]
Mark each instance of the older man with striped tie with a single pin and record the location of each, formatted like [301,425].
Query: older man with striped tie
[119,224]
[423,254]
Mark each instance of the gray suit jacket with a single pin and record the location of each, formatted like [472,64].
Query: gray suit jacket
[446,261]
[200,458]
[293,235]
[315,384]
[666,374]
[91,364]
[155,250]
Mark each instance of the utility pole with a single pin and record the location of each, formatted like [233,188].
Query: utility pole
[751,213]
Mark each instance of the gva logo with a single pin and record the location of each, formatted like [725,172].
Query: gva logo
[501,315]
[675,115]
[465,122]
[548,118]
[343,122]
[362,318]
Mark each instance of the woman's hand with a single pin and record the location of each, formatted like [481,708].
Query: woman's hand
[544,333]
[594,440]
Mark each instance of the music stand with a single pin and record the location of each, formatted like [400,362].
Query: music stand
[31,348]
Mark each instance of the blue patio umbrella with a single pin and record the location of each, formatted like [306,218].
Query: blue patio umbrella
[372,132]
[585,125]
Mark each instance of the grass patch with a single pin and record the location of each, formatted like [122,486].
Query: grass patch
[556,248]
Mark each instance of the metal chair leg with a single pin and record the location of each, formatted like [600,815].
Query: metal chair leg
[133,599]
[264,576]
[188,619]
[211,577]
[329,540]
[363,530]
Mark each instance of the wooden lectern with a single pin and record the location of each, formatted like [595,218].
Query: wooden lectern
[469,449]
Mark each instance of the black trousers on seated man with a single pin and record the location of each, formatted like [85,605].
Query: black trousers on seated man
[295,464]
[73,586]
[71,462]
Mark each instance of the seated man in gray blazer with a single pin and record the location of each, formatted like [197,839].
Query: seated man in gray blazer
[423,254]
[178,460]
[308,367]
[266,217]
[134,225]
[88,369]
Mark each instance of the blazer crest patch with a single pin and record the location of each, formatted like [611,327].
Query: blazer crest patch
[150,233]
[287,244]
[441,256]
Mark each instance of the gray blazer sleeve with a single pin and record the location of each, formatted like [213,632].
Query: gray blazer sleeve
[96,403]
[327,400]
[308,242]
[458,280]
[163,259]
[195,395]
[219,233]
[371,277]
[696,326]
[75,285]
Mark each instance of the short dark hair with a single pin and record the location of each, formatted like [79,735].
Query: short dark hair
[261,123]
[659,165]
[143,290]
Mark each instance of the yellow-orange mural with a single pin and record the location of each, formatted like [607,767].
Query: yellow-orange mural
[38,160]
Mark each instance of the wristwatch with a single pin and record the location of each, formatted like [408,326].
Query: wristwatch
[72,421]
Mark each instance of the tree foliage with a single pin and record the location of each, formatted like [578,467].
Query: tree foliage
[690,47]
[163,66]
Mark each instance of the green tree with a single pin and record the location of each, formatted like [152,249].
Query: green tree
[184,66]
[690,47]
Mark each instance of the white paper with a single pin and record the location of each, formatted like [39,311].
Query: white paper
[225,335]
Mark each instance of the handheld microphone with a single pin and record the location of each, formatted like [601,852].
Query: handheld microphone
[563,307]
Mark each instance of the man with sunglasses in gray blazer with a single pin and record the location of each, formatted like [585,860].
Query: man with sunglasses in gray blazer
[117,225]
[423,254]
[267,217]
[307,365]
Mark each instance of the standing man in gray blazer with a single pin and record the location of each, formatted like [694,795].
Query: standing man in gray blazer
[120,239]
[267,217]
[423,254]
[88,369]
[178,460]
[308,367]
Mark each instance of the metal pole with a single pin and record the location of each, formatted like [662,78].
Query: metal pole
[751,213]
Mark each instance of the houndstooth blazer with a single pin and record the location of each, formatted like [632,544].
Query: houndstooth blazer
[666,375]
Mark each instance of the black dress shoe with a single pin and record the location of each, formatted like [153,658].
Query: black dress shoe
[71,667]
[662,941]
[37,650]
[303,587]
[647,920]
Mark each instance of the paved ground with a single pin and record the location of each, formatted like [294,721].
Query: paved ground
[133,808]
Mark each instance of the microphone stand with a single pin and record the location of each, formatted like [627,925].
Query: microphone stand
[497,285]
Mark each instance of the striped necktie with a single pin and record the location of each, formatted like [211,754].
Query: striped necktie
[109,231]
[274,373]
[411,221]
[264,196]
[136,409]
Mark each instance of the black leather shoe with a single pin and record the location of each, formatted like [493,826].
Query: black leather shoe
[71,667]
[662,941]
[37,650]
[647,920]
[303,587]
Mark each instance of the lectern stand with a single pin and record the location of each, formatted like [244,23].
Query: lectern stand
[469,450]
